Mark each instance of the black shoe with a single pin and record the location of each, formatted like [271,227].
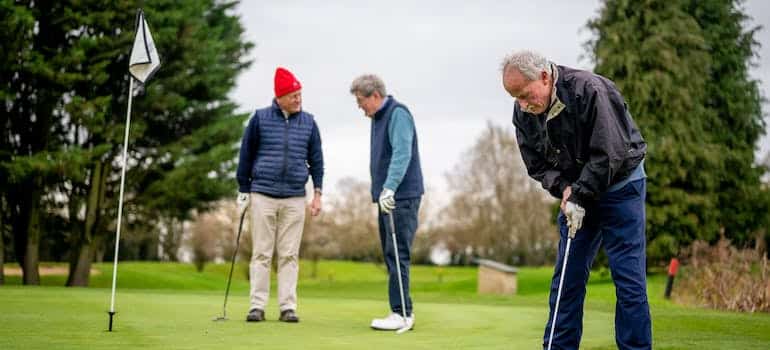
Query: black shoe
[255,315]
[288,316]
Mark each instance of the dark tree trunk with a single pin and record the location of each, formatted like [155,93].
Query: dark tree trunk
[30,261]
[85,246]
[171,240]
[25,228]
[2,251]
[80,267]
[20,209]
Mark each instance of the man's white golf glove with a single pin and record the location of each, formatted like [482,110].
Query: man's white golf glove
[574,214]
[387,201]
[243,201]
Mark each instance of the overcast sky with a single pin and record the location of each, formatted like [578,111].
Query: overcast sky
[440,58]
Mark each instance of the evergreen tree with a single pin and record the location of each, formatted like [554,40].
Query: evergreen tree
[682,69]
[32,89]
[184,129]
[736,103]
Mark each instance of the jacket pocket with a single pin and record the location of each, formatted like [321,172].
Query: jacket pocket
[298,173]
[633,189]
[639,186]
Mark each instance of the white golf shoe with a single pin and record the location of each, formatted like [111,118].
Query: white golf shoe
[393,322]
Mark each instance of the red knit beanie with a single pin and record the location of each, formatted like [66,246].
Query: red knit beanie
[285,82]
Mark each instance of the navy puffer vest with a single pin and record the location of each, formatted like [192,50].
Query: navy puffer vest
[381,152]
[280,167]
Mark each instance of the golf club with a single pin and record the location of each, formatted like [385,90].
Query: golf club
[398,271]
[232,264]
[561,284]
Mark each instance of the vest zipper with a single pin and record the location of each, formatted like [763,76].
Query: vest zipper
[285,149]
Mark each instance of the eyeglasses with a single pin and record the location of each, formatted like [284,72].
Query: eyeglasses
[360,99]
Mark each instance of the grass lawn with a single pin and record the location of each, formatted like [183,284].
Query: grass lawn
[170,306]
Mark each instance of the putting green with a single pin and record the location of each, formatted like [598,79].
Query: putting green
[335,308]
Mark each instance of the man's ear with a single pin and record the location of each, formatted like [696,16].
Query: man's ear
[544,77]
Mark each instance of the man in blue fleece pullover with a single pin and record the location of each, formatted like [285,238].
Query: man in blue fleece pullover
[281,146]
[397,186]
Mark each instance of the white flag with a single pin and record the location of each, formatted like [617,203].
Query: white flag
[144,58]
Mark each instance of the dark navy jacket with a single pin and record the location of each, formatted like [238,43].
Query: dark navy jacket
[590,144]
[278,154]
[381,152]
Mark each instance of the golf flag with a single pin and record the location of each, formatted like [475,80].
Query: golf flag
[144,57]
[142,65]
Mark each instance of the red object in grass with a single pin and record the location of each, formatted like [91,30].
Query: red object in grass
[673,267]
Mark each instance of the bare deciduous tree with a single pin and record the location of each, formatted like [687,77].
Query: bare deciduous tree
[346,228]
[497,211]
[213,234]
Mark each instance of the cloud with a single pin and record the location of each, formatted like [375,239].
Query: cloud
[441,58]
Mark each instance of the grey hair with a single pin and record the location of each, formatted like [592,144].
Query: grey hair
[529,63]
[367,84]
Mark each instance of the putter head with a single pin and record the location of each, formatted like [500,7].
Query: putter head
[405,328]
[219,318]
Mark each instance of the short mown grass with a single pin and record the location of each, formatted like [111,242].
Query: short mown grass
[170,306]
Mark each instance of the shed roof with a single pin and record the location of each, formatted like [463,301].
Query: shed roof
[497,265]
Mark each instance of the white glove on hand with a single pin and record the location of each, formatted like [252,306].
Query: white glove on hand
[387,201]
[574,214]
[243,201]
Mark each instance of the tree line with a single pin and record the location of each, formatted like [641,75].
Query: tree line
[682,66]
[495,211]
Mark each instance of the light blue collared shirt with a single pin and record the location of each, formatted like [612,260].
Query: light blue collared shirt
[636,175]
[400,135]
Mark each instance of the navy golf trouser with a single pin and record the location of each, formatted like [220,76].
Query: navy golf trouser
[405,220]
[616,222]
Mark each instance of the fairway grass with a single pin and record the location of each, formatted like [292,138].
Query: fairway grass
[170,306]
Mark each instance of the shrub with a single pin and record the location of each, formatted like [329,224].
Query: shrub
[724,277]
[661,249]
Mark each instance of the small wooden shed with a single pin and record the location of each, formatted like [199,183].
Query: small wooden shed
[496,278]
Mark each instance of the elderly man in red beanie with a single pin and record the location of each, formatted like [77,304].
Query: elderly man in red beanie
[280,148]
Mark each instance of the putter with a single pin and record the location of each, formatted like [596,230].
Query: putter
[232,264]
[561,284]
[398,271]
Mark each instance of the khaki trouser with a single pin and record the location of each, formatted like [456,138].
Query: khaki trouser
[276,225]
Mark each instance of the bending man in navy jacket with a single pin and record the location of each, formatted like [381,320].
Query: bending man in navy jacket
[280,148]
[396,185]
[577,138]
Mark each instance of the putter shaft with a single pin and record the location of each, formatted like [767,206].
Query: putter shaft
[398,271]
[232,265]
[558,293]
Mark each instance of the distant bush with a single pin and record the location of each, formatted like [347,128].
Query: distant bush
[661,249]
[212,235]
[724,277]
